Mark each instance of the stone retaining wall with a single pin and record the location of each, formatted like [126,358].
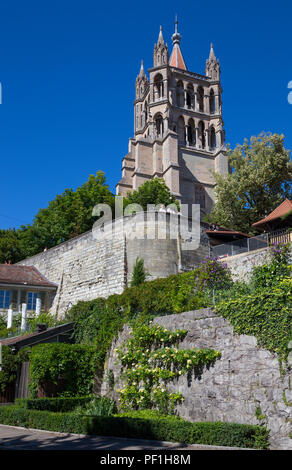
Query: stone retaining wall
[245,379]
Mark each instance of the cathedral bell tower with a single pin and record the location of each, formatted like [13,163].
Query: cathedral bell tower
[178,127]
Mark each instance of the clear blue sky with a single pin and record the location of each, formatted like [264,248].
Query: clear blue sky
[68,70]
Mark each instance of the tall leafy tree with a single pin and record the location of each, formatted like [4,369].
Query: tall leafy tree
[260,179]
[10,249]
[153,191]
[66,216]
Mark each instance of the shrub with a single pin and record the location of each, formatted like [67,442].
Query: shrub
[139,273]
[98,406]
[265,313]
[157,427]
[60,404]
[10,363]
[58,367]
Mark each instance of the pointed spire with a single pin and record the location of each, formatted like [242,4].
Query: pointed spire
[160,37]
[212,65]
[212,54]
[160,53]
[176,58]
[141,82]
[142,71]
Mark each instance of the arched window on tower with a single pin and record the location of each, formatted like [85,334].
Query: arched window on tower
[212,139]
[180,94]
[158,125]
[158,87]
[191,132]
[181,130]
[202,140]
[201,98]
[146,111]
[190,96]
[212,102]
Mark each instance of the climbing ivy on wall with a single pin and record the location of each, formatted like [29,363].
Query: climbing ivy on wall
[150,360]
[263,308]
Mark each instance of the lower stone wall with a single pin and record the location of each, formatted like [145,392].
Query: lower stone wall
[241,265]
[244,379]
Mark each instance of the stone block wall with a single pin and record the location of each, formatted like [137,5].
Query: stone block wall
[241,265]
[87,267]
[244,379]
[83,268]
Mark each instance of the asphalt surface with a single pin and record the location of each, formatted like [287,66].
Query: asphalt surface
[15,438]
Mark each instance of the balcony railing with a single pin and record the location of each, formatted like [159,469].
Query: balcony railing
[240,246]
[250,244]
[280,236]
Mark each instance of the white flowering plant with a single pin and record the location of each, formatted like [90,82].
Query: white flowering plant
[151,359]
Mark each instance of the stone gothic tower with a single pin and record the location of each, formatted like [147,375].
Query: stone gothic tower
[178,127]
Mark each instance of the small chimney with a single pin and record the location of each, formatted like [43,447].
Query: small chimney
[40,327]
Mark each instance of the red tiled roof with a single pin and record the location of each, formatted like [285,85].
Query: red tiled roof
[281,210]
[23,275]
[176,58]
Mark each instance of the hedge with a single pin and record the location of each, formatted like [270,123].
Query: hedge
[56,368]
[207,433]
[58,404]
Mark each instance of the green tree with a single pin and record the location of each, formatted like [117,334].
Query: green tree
[139,274]
[260,180]
[66,216]
[10,250]
[153,191]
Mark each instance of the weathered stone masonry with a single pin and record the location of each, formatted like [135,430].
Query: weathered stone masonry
[85,268]
[245,378]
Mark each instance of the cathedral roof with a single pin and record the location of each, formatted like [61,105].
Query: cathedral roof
[176,58]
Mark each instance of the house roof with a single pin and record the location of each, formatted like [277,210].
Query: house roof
[23,275]
[37,337]
[215,232]
[280,211]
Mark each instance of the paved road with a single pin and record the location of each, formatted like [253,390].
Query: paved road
[13,438]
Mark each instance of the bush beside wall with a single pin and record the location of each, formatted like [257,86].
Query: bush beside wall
[220,434]
[53,404]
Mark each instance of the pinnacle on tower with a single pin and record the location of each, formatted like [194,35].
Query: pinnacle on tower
[160,53]
[142,71]
[141,82]
[176,58]
[212,65]
[160,37]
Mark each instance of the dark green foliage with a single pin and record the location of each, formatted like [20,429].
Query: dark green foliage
[66,216]
[260,179]
[269,275]
[265,313]
[59,404]
[88,405]
[45,318]
[263,307]
[58,368]
[98,406]
[139,273]
[10,363]
[158,428]
[153,192]
[99,320]
[10,249]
